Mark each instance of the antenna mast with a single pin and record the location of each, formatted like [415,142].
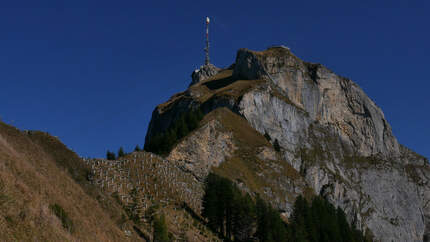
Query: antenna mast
[207,41]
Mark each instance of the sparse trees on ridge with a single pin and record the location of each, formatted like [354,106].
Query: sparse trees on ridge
[110,155]
[137,148]
[162,143]
[121,152]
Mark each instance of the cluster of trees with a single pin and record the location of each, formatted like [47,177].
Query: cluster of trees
[228,212]
[236,217]
[162,143]
[112,156]
[270,226]
[321,221]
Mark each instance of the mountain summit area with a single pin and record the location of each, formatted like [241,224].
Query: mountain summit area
[275,129]
[279,126]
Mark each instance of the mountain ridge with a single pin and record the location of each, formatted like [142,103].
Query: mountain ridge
[279,128]
[329,131]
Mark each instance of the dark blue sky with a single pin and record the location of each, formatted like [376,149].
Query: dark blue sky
[91,72]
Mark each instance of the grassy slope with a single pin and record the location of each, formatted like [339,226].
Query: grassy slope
[159,187]
[220,85]
[37,171]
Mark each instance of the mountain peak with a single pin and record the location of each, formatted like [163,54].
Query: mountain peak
[325,127]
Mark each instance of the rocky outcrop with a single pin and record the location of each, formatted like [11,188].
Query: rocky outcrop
[203,73]
[380,198]
[206,148]
[329,130]
[327,99]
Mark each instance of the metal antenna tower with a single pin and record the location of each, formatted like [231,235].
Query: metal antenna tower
[207,41]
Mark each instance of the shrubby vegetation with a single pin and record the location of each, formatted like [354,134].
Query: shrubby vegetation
[236,217]
[162,143]
[62,215]
[160,233]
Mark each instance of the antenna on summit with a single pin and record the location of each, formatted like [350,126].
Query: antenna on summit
[207,42]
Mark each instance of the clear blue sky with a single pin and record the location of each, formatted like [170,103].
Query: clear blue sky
[91,72]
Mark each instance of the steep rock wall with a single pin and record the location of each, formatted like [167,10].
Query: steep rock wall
[327,98]
[335,136]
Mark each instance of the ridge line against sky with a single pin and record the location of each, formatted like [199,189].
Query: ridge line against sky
[91,72]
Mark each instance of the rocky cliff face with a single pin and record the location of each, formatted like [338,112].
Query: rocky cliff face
[326,98]
[336,138]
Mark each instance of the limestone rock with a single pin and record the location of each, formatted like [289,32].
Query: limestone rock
[336,138]
[325,97]
[203,73]
[203,149]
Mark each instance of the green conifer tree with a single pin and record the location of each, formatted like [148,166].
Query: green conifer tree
[110,155]
[345,230]
[121,152]
[243,217]
[210,202]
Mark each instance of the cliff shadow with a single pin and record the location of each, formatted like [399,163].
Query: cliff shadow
[220,83]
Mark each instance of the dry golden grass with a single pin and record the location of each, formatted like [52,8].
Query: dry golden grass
[221,85]
[171,101]
[238,88]
[241,129]
[34,174]
[37,172]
